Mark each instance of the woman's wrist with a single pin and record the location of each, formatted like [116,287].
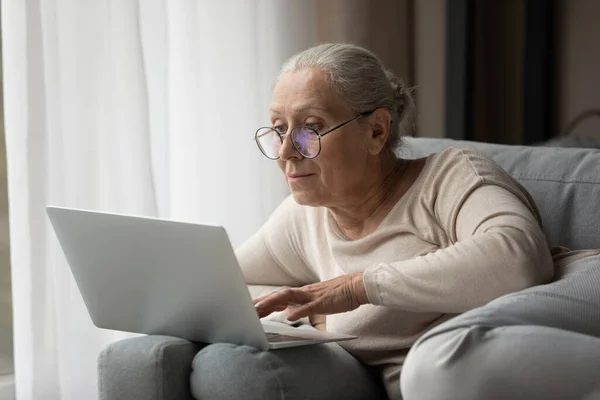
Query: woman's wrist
[358,288]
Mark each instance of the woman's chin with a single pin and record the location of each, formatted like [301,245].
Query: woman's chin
[306,198]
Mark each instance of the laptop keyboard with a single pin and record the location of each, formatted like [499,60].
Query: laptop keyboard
[278,338]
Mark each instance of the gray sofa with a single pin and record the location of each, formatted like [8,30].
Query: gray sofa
[565,183]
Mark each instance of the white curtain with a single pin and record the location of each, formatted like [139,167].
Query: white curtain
[145,107]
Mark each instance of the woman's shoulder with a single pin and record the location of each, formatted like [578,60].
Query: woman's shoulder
[454,173]
[464,165]
[462,157]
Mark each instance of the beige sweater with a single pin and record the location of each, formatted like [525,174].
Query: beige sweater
[462,235]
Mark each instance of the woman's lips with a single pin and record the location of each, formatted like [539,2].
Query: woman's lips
[293,178]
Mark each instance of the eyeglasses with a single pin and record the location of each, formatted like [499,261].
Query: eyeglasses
[306,140]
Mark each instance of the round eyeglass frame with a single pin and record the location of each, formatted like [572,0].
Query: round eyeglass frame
[319,136]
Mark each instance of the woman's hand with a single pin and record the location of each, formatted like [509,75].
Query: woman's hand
[344,293]
[319,321]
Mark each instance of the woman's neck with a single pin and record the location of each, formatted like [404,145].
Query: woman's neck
[361,214]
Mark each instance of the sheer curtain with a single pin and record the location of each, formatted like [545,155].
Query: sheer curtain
[144,107]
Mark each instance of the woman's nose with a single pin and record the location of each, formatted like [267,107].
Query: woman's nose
[287,149]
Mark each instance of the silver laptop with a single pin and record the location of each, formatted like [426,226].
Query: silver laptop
[161,277]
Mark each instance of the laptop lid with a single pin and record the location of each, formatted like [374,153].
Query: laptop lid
[160,277]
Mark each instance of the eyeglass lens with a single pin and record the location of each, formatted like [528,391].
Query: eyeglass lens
[304,139]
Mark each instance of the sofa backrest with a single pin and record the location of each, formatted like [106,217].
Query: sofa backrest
[564,182]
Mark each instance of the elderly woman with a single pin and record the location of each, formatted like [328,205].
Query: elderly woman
[368,244]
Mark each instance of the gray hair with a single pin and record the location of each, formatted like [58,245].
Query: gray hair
[359,77]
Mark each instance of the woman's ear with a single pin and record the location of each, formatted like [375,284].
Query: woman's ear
[380,121]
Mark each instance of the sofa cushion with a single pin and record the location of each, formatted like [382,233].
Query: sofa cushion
[564,182]
[148,368]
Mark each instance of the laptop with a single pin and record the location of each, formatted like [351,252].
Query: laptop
[161,277]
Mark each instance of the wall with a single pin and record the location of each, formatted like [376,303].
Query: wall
[429,69]
[577,63]
[498,71]
[384,27]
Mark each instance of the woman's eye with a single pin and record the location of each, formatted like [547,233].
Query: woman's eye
[313,126]
[280,129]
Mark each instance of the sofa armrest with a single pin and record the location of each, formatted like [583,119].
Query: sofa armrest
[147,368]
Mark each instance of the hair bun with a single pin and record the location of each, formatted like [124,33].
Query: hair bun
[400,91]
[405,103]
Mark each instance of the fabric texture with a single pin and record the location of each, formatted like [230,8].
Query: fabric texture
[149,368]
[225,371]
[449,234]
[540,343]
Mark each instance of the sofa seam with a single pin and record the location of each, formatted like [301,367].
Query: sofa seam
[281,391]
[160,388]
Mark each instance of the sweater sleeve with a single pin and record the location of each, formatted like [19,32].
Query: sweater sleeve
[500,248]
[271,259]
[272,256]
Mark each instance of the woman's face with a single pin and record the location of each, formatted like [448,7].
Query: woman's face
[338,174]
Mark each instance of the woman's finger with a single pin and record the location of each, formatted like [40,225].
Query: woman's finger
[263,312]
[295,313]
[279,301]
[285,297]
[274,297]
